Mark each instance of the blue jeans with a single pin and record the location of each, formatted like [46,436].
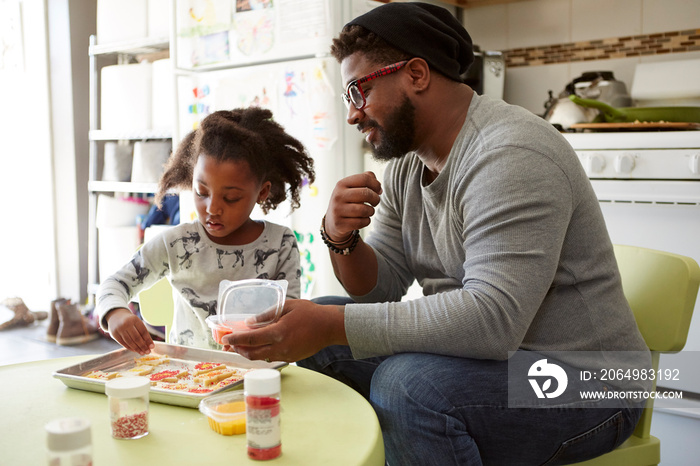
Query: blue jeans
[442,410]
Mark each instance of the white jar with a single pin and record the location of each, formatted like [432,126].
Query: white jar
[128,406]
[261,388]
[69,442]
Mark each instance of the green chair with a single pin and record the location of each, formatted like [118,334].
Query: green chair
[661,289]
[156,305]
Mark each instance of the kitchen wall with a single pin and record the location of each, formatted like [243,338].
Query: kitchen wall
[547,43]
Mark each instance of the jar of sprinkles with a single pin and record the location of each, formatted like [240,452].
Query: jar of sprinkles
[261,389]
[69,443]
[128,406]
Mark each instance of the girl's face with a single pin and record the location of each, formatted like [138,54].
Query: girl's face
[224,195]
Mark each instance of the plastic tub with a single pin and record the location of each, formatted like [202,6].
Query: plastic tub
[218,330]
[226,412]
[250,303]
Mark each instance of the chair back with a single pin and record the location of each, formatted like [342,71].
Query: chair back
[156,305]
[661,289]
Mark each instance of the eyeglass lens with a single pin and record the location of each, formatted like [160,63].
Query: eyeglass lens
[356,96]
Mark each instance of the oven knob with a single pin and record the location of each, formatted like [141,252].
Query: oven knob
[695,164]
[624,163]
[593,163]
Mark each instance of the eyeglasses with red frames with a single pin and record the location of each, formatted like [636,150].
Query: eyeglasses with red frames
[353,92]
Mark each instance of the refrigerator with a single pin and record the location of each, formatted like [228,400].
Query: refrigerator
[273,54]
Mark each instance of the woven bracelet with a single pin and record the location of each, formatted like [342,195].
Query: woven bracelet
[337,247]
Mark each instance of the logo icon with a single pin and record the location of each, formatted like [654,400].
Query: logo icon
[551,371]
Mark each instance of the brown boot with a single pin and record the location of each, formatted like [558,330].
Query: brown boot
[73,327]
[55,321]
[23,316]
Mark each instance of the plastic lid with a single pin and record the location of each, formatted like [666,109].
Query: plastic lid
[257,302]
[262,382]
[127,387]
[68,434]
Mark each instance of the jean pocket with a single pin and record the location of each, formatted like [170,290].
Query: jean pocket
[600,439]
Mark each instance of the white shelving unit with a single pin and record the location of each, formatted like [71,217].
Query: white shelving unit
[124,53]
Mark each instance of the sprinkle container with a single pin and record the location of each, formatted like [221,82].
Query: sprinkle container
[68,442]
[262,399]
[128,406]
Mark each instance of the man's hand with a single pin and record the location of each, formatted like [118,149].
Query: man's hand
[304,329]
[352,204]
[129,331]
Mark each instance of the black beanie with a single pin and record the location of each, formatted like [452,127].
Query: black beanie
[422,30]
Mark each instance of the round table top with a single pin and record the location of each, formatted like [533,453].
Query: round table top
[323,422]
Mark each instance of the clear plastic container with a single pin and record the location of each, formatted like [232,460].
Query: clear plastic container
[218,329]
[250,303]
[128,406]
[69,442]
[226,412]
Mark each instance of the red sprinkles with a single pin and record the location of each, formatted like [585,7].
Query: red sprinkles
[130,426]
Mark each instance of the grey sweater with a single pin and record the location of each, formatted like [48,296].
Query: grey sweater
[508,243]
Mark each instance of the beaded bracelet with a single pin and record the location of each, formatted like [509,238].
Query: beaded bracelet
[336,247]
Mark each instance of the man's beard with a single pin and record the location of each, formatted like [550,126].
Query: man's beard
[397,135]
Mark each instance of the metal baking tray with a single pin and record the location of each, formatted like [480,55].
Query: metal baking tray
[123,359]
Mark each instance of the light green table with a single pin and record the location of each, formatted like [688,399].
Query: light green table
[324,422]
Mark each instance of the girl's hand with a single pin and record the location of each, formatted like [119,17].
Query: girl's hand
[129,331]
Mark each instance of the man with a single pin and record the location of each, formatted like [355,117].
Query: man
[488,208]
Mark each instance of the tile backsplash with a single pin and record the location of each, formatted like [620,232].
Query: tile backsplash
[602,49]
[548,43]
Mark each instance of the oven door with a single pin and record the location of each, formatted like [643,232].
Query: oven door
[662,215]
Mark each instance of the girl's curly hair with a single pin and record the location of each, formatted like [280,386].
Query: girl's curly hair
[247,134]
[356,38]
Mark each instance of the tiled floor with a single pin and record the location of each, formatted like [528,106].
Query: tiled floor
[24,344]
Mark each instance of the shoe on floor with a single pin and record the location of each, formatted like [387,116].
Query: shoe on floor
[73,327]
[23,316]
[55,321]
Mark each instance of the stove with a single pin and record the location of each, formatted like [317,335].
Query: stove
[667,161]
[648,186]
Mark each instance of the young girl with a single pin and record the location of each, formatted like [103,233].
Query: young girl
[233,161]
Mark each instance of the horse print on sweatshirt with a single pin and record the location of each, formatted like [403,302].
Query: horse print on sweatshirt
[196,302]
[141,272]
[190,245]
[238,253]
[261,256]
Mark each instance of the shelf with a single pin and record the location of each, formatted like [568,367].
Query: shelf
[121,187]
[131,47]
[108,135]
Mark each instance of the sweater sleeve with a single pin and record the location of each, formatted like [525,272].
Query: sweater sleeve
[148,265]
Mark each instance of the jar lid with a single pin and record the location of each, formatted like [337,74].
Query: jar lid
[127,387]
[68,434]
[262,382]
